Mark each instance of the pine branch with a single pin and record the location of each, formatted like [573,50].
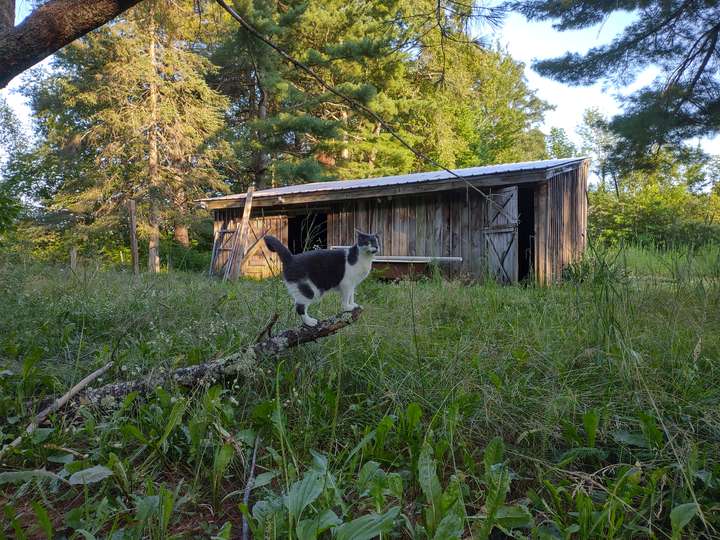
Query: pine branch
[355,104]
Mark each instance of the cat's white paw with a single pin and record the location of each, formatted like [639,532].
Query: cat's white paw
[350,307]
[310,321]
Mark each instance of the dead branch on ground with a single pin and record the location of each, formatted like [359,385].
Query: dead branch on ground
[237,364]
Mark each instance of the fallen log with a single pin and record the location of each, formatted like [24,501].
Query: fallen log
[242,362]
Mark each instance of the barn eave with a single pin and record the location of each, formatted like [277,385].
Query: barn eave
[320,192]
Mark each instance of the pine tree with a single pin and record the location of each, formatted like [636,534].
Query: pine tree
[681,37]
[129,113]
[284,126]
[459,103]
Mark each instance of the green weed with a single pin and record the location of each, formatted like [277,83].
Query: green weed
[584,410]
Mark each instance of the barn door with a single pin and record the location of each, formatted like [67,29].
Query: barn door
[501,234]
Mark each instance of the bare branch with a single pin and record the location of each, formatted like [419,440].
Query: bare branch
[57,405]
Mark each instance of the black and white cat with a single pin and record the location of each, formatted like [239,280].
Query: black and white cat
[309,275]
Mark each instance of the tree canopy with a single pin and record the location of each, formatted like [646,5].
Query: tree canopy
[680,37]
[167,104]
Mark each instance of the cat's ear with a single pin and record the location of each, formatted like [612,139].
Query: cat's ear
[360,234]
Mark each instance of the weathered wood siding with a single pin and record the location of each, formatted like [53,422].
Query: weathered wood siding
[259,261]
[443,224]
[560,222]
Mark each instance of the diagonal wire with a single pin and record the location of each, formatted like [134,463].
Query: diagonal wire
[354,103]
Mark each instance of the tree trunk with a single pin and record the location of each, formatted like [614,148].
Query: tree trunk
[73,258]
[133,238]
[260,159]
[154,245]
[7,15]
[182,235]
[49,28]
[345,152]
[617,186]
[373,153]
[236,365]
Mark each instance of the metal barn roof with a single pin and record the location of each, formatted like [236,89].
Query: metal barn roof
[338,188]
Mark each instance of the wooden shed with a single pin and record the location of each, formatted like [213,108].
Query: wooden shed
[509,222]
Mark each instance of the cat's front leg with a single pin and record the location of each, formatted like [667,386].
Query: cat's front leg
[348,299]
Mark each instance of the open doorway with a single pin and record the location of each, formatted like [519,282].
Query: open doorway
[306,232]
[526,232]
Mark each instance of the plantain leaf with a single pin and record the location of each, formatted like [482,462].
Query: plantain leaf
[310,529]
[427,475]
[449,528]
[367,527]
[591,421]
[90,476]
[680,516]
[514,517]
[264,479]
[303,492]
[174,419]
[17,477]
[493,454]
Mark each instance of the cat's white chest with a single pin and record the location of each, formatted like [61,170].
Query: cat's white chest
[355,273]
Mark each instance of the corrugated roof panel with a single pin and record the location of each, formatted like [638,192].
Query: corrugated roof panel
[415,178]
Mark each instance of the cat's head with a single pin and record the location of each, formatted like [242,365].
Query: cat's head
[368,243]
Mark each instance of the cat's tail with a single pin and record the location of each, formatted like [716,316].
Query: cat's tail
[277,246]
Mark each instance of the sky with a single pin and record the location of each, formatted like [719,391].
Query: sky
[525,41]
[528,41]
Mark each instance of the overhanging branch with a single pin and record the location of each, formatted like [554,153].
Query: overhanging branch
[49,28]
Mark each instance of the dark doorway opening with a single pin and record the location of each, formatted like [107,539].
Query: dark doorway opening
[526,232]
[306,232]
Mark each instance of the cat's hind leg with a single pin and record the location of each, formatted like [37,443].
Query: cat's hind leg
[304,295]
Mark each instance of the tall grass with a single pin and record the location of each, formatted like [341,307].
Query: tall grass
[584,410]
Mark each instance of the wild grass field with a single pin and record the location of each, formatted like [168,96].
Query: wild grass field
[585,410]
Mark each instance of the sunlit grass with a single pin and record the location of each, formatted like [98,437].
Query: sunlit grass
[608,381]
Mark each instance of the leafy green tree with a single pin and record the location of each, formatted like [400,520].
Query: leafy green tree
[482,113]
[680,37]
[600,142]
[12,142]
[667,203]
[11,136]
[559,144]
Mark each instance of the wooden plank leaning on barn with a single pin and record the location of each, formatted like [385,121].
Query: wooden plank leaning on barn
[232,269]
